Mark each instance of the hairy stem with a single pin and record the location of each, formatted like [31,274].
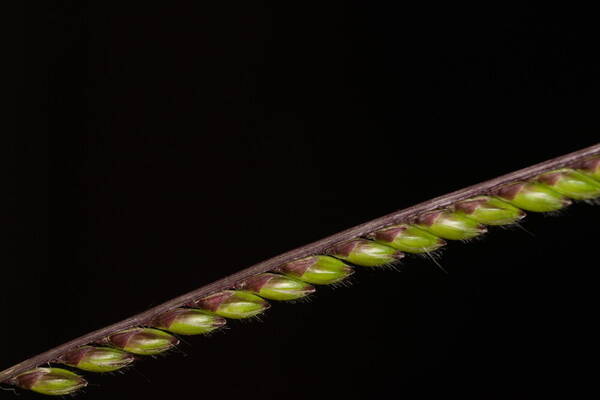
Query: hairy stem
[318,247]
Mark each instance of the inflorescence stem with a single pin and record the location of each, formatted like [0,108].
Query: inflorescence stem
[318,247]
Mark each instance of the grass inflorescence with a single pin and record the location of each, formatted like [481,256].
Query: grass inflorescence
[420,231]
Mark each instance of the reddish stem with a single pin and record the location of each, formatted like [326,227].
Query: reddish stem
[314,248]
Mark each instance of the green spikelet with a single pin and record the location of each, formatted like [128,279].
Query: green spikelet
[590,167]
[532,196]
[318,270]
[276,287]
[408,238]
[489,210]
[450,225]
[50,381]
[188,321]
[143,341]
[571,183]
[97,359]
[235,304]
[365,253]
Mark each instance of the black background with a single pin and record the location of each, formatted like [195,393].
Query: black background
[174,143]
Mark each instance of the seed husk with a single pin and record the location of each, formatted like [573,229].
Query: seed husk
[366,253]
[408,238]
[235,304]
[188,321]
[589,167]
[276,287]
[50,381]
[97,359]
[143,341]
[318,270]
[532,196]
[571,183]
[489,210]
[450,225]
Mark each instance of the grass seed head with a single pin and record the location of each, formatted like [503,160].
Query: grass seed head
[235,304]
[276,287]
[532,196]
[143,341]
[489,210]
[450,225]
[50,381]
[318,270]
[408,238]
[571,183]
[97,359]
[365,253]
[188,321]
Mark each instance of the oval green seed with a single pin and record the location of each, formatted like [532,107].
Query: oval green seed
[143,341]
[589,167]
[571,183]
[408,238]
[97,359]
[235,304]
[532,196]
[188,321]
[318,270]
[276,287]
[365,253]
[50,381]
[489,210]
[450,225]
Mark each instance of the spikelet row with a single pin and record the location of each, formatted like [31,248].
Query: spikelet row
[424,233]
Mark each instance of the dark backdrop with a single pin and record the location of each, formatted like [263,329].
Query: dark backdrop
[173,144]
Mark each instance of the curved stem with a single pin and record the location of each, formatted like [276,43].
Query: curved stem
[317,247]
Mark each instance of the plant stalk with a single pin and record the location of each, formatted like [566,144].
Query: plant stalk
[318,247]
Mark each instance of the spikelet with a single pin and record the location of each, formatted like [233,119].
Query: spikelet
[318,270]
[188,321]
[571,183]
[450,225]
[142,341]
[532,196]
[408,238]
[50,381]
[276,287]
[589,167]
[365,253]
[489,211]
[96,359]
[235,304]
